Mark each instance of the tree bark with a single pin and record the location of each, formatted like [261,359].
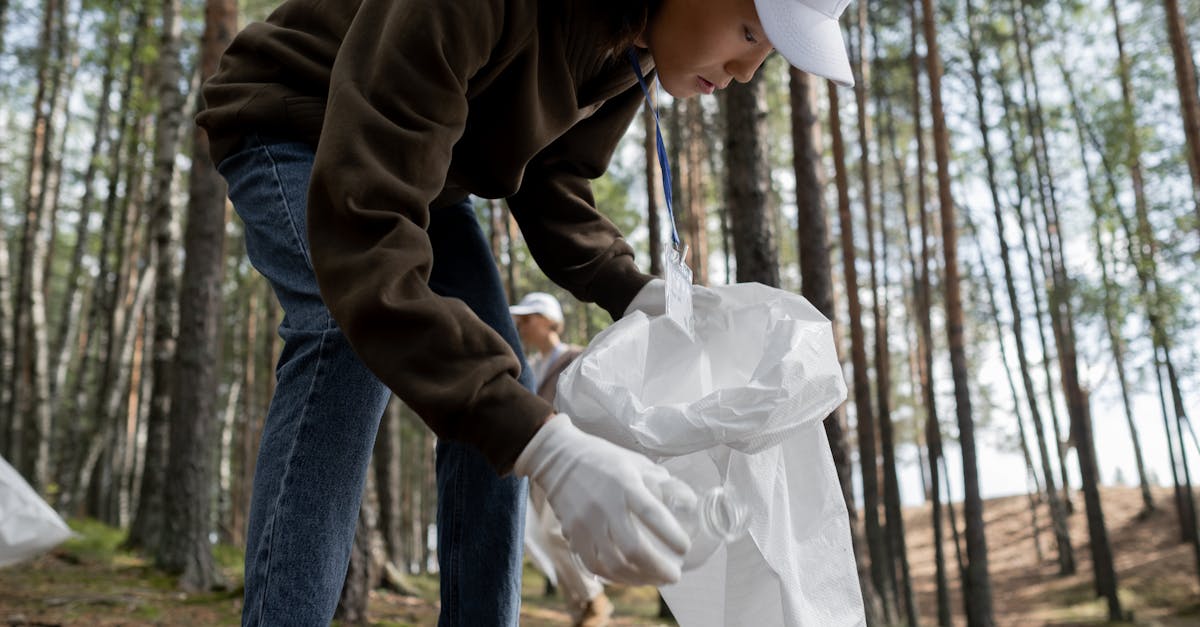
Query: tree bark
[1146,271]
[1058,514]
[858,357]
[1113,320]
[1045,190]
[148,521]
[387,459]
[746,171]
[185,548]
[361,575]
[693,214]
[816,284]
[897,543]
[68,322]
[653,176]
[924,297]
[1189,101]
[976,582]
[27,405]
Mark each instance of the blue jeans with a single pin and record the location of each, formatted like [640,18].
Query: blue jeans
[321,425]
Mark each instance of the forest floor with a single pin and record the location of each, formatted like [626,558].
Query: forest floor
[89,581]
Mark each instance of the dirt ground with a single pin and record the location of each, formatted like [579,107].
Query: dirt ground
[1156,573]
[89,581]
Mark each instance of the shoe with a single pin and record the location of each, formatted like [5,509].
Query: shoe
[596,613]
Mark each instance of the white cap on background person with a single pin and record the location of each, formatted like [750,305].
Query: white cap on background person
[807,34]
[539,303]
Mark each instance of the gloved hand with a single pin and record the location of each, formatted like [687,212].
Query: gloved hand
[652,298]
[609,501]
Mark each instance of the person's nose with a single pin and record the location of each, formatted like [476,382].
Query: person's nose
[742,69]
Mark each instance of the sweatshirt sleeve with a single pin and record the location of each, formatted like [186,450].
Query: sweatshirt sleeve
[573,243]
[396,107]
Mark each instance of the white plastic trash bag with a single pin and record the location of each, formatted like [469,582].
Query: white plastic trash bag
[739,406]
[28,525]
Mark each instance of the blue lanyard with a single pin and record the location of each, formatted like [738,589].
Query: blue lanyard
[663,163]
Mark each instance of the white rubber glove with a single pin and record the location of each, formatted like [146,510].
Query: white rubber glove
[652,298]
[609,501]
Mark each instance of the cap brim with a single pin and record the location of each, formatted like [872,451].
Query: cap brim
[519,310]
[808,39]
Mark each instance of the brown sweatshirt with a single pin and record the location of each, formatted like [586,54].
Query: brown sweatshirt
[411,105]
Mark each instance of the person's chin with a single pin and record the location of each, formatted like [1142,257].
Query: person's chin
[679,89]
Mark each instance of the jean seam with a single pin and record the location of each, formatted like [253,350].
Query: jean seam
[300,238]
[283,481]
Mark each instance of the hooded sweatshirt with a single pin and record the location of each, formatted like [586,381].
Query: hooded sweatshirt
[412,105]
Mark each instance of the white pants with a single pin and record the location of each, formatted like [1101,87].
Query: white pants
[548,550]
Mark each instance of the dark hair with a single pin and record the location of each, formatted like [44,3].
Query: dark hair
[627,19]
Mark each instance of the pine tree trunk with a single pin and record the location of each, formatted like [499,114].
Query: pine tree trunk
[185,548]
[90,385]
[897,537]
[1189,497]
[816,281]
[894,525]
[68,321]
[65,68]
[1058,514]
[510,248]
[746,180]
[693,215]
[360,574]
[653,176]
[25,397]
[428,489]
[1113,320]
[858,357]
[148,521]
[976,583]
[933,436]
[1063,326]
[387,459]
[1189,101]
[1045,190]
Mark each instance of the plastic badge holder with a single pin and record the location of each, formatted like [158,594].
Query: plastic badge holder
[737,407]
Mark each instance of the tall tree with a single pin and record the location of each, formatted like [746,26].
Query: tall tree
[653,176]
[864,416]
[977,583]
[1044,190]
[147,523]
[1058,514]
[386,459]
[1062,324]
[691,204]
[93,389]
[746,182]
[1113,319]
[185,548]
[69,320]
[28,408]
[816,284]
[924,298]
[897,548]
[1189,101]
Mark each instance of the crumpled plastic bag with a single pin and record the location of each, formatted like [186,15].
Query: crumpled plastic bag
[28,526]
[739,405]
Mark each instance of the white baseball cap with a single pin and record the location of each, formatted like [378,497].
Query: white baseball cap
[807,34]
[538,303]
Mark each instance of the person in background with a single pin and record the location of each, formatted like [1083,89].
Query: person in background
[539,321]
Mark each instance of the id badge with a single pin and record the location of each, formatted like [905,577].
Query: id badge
[679,289]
